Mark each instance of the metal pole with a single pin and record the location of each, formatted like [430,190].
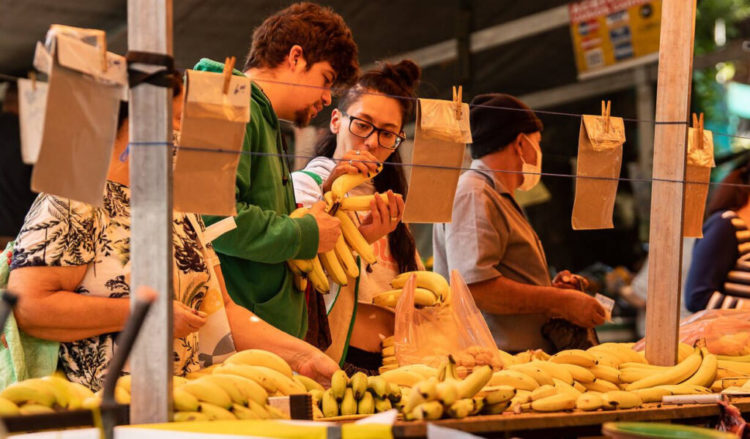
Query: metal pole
[665,237]
[150,30]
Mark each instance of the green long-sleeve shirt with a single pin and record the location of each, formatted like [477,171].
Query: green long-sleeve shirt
[253,255]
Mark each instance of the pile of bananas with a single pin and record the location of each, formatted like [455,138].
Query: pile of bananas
[339,264]
[44,395]
[445,395]
[388,350]
[431,289]
[358,395]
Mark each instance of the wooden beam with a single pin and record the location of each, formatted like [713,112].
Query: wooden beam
[665,236]
[150,30]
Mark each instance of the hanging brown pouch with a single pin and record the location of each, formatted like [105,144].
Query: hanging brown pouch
[80,118]
[211,134]
[700,160]
[600,142]
[441,133]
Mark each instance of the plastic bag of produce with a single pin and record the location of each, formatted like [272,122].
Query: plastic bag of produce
[427,335]
[727,331]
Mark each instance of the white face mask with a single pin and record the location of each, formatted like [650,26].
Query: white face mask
[531,173]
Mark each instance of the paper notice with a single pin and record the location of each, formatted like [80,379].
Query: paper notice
[32,103]
[439,144]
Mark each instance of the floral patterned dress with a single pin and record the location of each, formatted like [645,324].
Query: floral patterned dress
[63,232]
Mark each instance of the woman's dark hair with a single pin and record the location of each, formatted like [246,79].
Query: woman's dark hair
[731,197]
[394,80]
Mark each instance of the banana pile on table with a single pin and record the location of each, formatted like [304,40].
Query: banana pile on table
[339,264]
[44,395]
[358,395]
[431,289]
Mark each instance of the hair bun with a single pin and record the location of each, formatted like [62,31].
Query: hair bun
[406,72]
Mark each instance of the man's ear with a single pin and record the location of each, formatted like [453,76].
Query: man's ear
[295,58]
[335,124]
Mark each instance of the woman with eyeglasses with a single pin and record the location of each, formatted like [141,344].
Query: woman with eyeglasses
[365,130]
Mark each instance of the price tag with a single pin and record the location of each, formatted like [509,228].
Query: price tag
[607,303]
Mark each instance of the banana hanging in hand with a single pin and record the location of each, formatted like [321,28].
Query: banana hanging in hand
[347,260]
[355,239]
[360,203]
[343,184]
[318,277]
[334,269]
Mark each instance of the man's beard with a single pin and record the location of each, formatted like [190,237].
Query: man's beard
[302,118]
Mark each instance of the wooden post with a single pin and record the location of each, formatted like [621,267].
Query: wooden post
[150,30]
[670,145]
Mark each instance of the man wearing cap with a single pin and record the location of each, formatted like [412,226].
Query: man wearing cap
[490,241]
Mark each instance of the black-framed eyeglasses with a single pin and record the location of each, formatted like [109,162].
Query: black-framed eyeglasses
[364,129]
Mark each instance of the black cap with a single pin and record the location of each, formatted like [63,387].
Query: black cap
[492,129]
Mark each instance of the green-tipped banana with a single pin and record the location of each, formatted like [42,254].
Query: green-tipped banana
[216,413]
[329,405]
[339,383]
[358,383]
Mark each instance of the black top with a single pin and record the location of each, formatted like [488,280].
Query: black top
[15,177]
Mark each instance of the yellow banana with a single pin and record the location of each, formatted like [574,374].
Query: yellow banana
[522,397]
[260,410]
[244,389]
[382,405]
[605,373]
[333,267]
[564,387]
[344,183]
[358,383]
[184,401]
[366,405]
[122,396]
[425,279]
[8,408]
[543,392]
[739,358]
[348,404]
[514,379]
[685,389]
[65,395]
[459,409]
[580,387]
[725,383]
[589,401]
[339,383]
[524,357]
[496,409]
[275,413]
[623,351]
[506,358]
[318,277]
[538,374]
[216,413]
[633,374]
[652,394]
[706,373]
[555,403]
[423,391]
[447,392]
[270,379]
[605,358]
[601,386]
[738,366]
[244,413]
[189,417]
[249,372]
[92,402]
[354,238]
[394,392]
[577,357]
[580,374]
[497,394]
[300,266]
[422,297]
[227,384]
[478,405]
[428,411]
[347,260]
[673,375]
[378,386]
[34,409]
[206,391]
[362,202]
[478,378]
[554,370]
[260,357]
[403,378]
[619,399]
[32,391]
[420,369]
[308,383]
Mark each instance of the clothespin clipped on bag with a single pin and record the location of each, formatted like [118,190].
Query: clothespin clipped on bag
[698,127]
[102,43]
[228,67]
[605,114]
[458,100]
[32,76]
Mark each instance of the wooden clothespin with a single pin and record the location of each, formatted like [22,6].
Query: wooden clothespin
[605,114]
[32,76]
[698,127]
[458,100]
[228,67]
[102,40]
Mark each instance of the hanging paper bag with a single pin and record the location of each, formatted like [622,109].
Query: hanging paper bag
[32,103]
[700,160]
[211,136]
[80,119]
[600,142]
[440,140]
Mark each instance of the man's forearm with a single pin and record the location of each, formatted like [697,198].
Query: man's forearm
[501,295]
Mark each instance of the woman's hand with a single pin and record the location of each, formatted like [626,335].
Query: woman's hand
[316,365]
[383,217]
[569,281]
[186,319]
[353,162]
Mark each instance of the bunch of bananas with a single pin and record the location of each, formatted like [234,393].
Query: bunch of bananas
[43,395]
[445,395]
[358,395]
[339,264]
[431,289]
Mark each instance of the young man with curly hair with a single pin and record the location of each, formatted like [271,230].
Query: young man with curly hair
[297,56]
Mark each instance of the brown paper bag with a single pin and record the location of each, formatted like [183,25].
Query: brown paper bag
[439,140]
[80,120]
[32,103]
[700,160]
[599,156]
[204,180]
